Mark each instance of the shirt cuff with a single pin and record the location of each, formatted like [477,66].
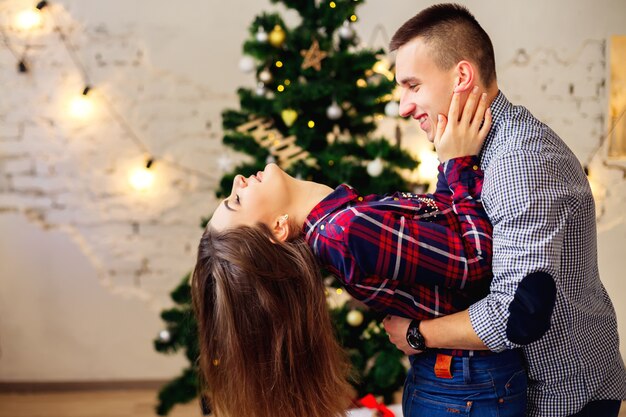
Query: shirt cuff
[462,168]
[488,326]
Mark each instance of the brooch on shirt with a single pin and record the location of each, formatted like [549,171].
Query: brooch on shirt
[429,202]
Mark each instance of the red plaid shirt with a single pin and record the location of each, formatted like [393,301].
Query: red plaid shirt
[416,256]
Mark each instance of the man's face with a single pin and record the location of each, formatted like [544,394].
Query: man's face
[426,89]
[259,198]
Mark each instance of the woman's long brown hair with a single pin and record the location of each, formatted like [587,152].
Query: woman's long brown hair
[267,346]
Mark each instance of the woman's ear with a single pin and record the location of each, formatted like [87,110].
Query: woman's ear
[281,228]
[466,77]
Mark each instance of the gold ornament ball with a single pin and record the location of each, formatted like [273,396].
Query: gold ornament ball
[354,318]
[277,36]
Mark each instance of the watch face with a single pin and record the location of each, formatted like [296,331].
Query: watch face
[415,339]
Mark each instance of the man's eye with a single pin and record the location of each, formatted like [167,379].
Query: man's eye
[414,87]
[238,202]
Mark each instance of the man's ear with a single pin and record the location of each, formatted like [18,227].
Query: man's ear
[466,77]
[281,228]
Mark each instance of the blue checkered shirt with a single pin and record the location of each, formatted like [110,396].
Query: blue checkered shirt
[539,201]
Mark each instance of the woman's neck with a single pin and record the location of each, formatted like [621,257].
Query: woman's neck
[308,194]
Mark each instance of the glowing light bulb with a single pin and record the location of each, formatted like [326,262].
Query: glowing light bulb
[28,19]
[81,107]
[311,124]
[141,179]
[427,169]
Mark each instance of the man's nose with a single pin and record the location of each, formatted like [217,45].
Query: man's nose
[407,108]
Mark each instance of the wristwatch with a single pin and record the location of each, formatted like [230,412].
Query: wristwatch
[413,336]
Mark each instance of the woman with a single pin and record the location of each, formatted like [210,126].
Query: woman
[264,334]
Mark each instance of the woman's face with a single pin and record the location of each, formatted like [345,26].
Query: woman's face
[262,197]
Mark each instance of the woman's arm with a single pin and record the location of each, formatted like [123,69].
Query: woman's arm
[414,251]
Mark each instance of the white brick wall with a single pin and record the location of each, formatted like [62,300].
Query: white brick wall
[170,74]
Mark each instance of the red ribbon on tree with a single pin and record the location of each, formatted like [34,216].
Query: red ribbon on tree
[369,401]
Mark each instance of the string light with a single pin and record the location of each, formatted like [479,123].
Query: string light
[361,83]
[280,88]
[28,19]
[31,18]
[332,4]
[311,124]
[82,106]
[353,18]
[141,179]
[279,64]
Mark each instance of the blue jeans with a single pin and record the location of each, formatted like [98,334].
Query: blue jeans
[481,386]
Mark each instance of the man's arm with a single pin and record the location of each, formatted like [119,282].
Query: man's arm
[449,332]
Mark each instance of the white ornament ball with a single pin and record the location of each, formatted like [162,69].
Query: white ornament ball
[260,89]
[265,76]
[165,336]
[334,112]
[392,109]
[375,167]
[261,35]
[246,64]
[225,163]
[354,318]
[346,32]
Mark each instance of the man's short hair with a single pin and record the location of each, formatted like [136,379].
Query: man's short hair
[453,34]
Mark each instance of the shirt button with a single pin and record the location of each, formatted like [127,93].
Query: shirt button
[360,198]
[475,167]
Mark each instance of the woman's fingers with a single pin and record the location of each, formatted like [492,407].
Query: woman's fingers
[441,127]
[484,130]
[470,106]
[479,115]
[455,104]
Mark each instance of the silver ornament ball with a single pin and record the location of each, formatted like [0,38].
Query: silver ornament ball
[375,167]
[392,109]
[261,35]
[346,32]
[165,336]
[334,112]
[260,89]
[246,64]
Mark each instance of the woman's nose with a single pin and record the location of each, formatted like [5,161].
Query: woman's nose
[240,181]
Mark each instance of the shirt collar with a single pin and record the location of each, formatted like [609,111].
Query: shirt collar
[342,195]
[499,107]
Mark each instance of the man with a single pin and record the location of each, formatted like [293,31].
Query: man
[546,295]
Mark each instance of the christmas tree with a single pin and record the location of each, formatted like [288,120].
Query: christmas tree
[313,111]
